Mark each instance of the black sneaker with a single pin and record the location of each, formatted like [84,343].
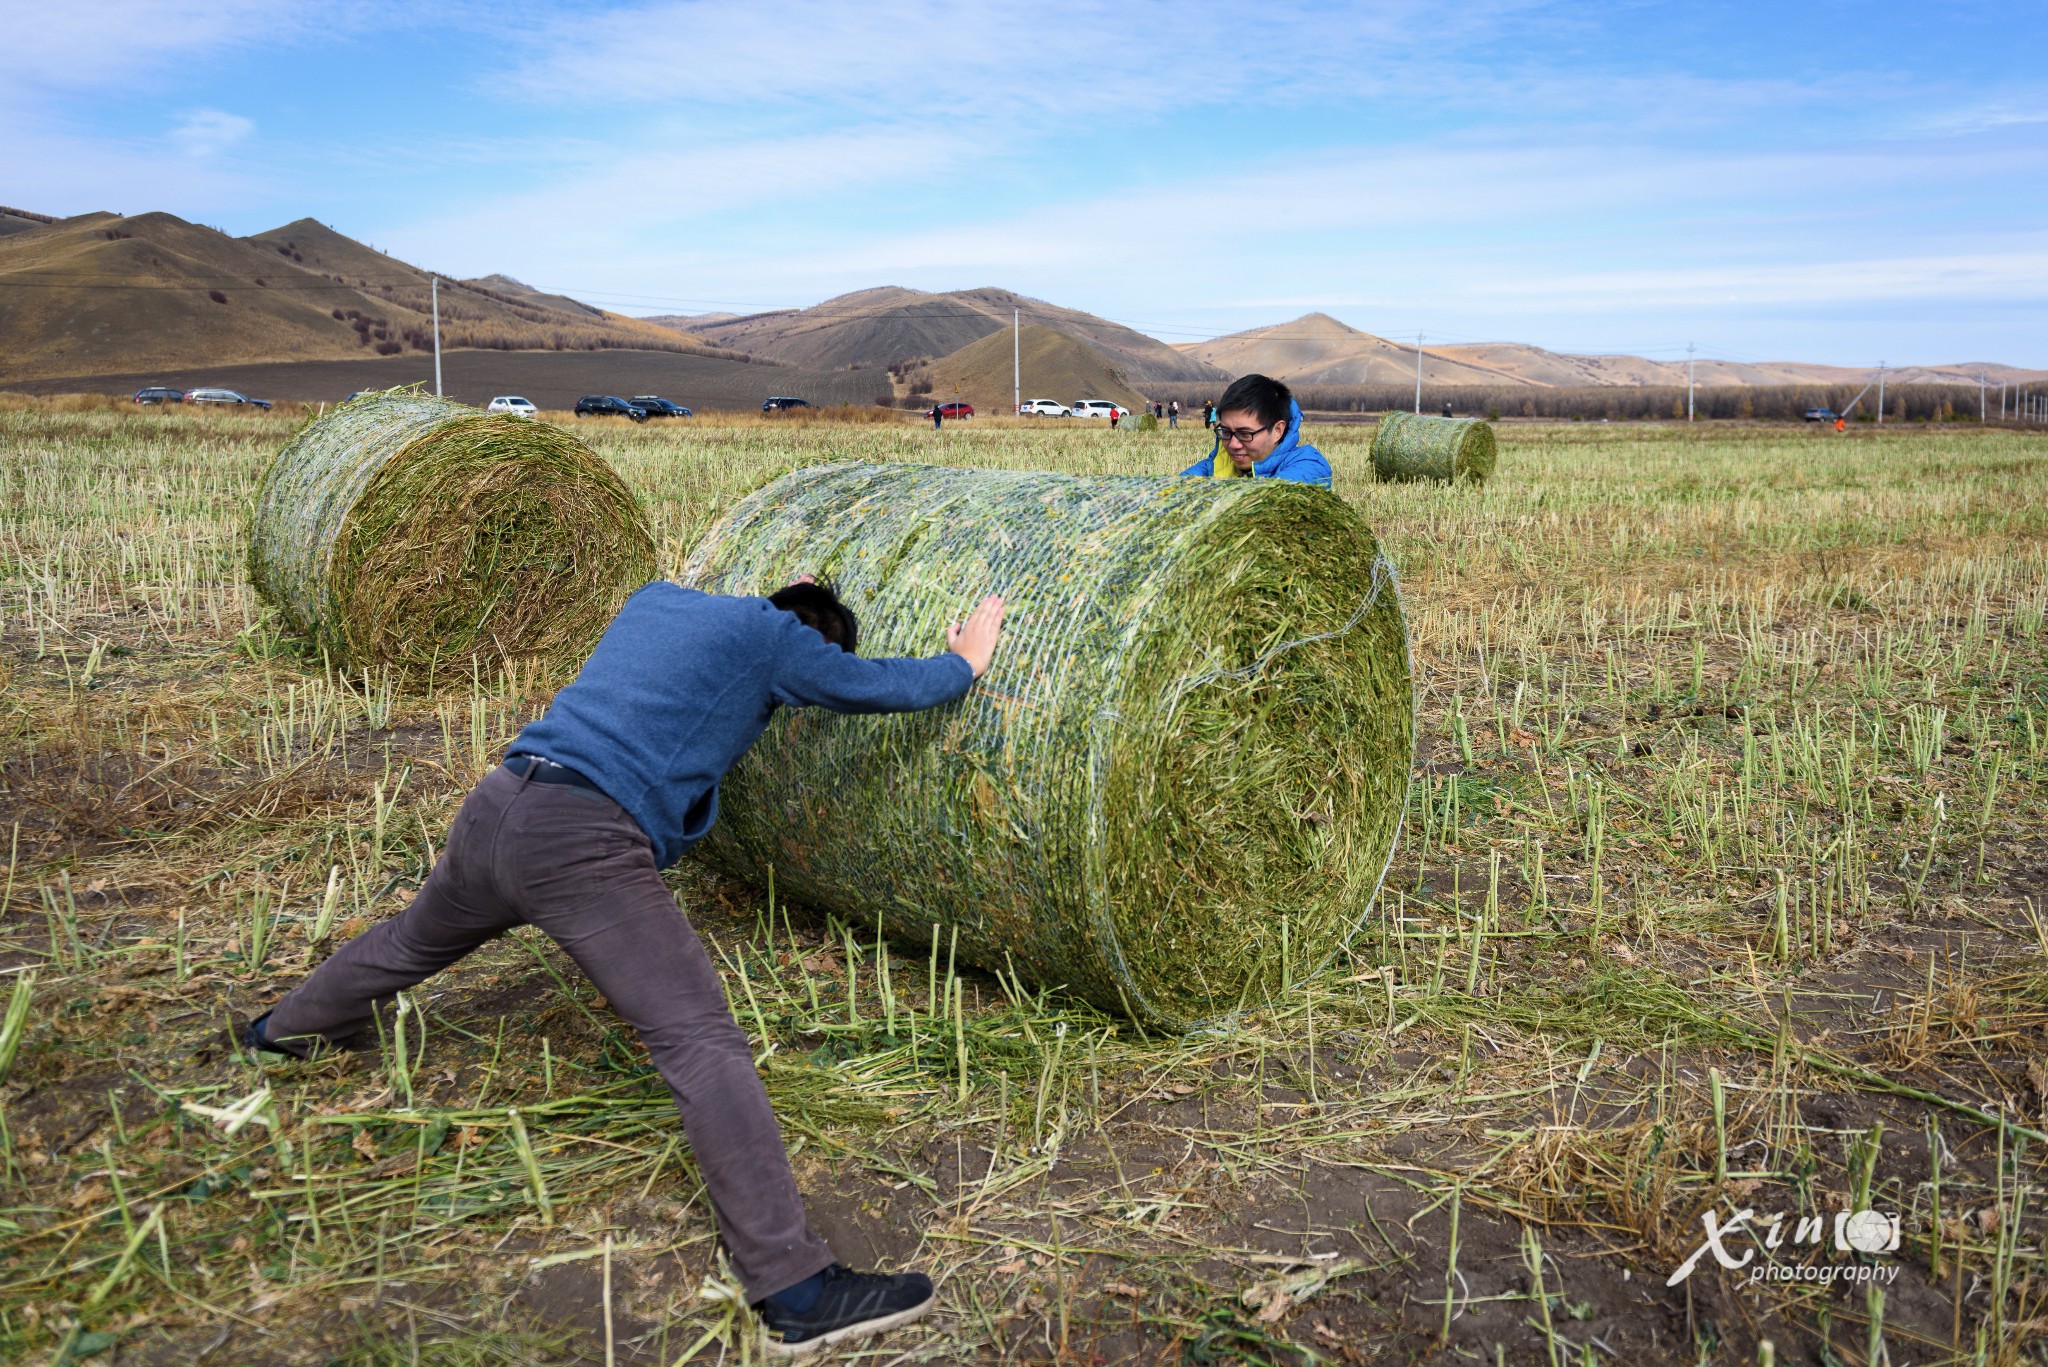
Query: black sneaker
[852,1305]
[256,1042]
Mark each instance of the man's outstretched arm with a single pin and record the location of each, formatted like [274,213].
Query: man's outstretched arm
[816,673]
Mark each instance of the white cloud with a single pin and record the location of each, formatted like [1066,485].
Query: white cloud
[109,43]
[1064,60]
[209,132]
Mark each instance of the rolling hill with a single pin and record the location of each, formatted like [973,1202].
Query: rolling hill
[1316,349]
[102,293]
[105,294]
[1054,366]
[882,327]
[20,220]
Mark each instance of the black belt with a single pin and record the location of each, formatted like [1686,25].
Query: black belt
[547,771]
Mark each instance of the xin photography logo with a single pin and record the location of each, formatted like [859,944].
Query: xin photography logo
[1853,1232]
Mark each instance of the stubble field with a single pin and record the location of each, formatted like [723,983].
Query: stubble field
[1724,888]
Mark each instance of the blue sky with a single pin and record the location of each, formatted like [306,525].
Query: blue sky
[1829,182]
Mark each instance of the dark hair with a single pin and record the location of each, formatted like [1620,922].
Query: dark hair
[819,608]
[1265,398]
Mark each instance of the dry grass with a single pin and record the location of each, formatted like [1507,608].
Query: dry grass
[1723,889]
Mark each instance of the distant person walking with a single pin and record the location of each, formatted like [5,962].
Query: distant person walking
[1841,424]
[1116,413]
[938,416]
[1173,415]
[1208,414]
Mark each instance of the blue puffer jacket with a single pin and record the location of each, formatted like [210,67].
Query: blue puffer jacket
[1290,459]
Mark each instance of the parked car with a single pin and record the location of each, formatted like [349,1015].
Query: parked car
[1100,408]
[159,394]
[226,396]
[1819,415]
[513,404]
[1045,408]
[782,401]
[608,405]
[953,410]
[658,407]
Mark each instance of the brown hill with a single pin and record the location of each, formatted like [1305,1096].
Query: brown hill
[1538,366]
[889,325]
[519,289]
[102,293]
[1316,349]
[685,322]
[20,220]
[496,311]
[1054,366]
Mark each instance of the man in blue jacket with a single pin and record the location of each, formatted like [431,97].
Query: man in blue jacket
[1258,434]
[570,834]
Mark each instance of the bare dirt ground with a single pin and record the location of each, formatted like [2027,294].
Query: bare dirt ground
[551,379]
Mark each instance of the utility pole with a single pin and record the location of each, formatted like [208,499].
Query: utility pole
[1418,374]
[1688,381]
[437,336]
[1016,360]
[1880,393]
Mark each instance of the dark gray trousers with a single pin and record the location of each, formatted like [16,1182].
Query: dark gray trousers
[571,862]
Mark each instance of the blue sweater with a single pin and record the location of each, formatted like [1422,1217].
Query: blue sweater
[1290,459]
[683,682]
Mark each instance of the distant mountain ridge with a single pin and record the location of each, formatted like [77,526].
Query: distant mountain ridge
[1051,365]
[104,293]
[1316,349]
[888,325]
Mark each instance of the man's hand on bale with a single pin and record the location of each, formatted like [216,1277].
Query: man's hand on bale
[974,640]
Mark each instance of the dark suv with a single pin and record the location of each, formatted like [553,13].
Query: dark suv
[158,394]
[782,401]
[657,407]
[608,405]
[1819,415]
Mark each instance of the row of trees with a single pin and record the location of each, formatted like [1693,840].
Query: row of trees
[1902,403]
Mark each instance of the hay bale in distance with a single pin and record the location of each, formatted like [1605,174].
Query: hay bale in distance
[409,532]
[1410,446]
[1178,788]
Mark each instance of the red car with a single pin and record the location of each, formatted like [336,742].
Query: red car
[953,410]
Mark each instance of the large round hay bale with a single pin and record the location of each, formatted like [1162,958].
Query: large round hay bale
[408,532]
[1179,787]
[1410,446]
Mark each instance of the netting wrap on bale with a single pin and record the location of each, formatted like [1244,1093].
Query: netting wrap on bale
[1179,786]
[408,532]
[1410,446]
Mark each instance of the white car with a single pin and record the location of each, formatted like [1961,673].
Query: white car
[1100,408]
[1045,408]
[513,404]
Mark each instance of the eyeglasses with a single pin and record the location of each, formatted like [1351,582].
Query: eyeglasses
[1242,436]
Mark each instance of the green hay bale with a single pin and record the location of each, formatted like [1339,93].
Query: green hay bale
[1410,446]
[405,532]
[1178,789]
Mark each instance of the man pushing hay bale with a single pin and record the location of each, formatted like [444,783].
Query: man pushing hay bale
[1407,446]
[1179,788]
[408,532]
